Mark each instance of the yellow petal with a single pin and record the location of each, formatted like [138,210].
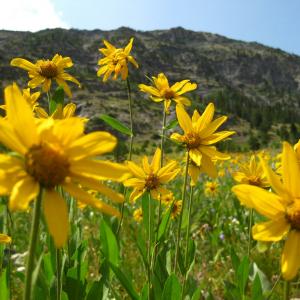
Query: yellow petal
[216,137]
[155,164]
[88,199]
[290,170]
[5,239]
[206,117]
[146,165]
[187,88]
[184,120]
[196,156]
[290,261]
[266,203]
[23,64]
[136,194]
[69,110]
[176,87]
[56,214]
[149,89]
[208,167]
[23,192]
[271,231]
[134,182]
[136,170]
[128,48]
[19,114]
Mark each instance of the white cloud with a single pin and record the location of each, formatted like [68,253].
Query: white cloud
[29,15]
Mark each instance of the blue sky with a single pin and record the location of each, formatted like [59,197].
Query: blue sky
[272,22]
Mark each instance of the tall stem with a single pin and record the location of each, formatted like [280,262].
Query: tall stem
[32,245]
[149,245]
[183,203]
[286,290]
[49,100]
[58,274]
[130,117]
[249,232]
[187,239]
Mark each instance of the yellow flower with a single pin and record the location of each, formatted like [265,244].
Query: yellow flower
[5,239]
[162,91]
[43,71]
[30,98]
[60,113]
[138,215]
[211,188]
[252,173]
[281,207]
[176,209]
[53,153]
[115,60]
[200,135]
[167,199]
[151,177]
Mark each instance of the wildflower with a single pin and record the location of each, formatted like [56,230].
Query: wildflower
[53,153]
[162,91]
[138,215]
[115,60]
[151,177]
[211,188]
[252,174]
[176,209]
[44,71]
[60,113]
[281,207]
[5,239]
[167,199]
[199,137]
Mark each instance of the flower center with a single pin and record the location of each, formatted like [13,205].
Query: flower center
[152,182]
[47,165]
[254,180]
[48,69]
[168,93]
[192,140]
[293,215]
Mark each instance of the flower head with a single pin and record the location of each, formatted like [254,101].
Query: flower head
[162,91]
[5,239]
[68,111]
[211,188]
[199,137]
[176,209]
[115,61]
[138,215]
[44,71]
[252,173]
[52,153]
[151,177]
[281,207]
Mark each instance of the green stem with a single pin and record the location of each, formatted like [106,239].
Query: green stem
[273,288]
[130,117]
[32,245]
[249,232]
[162,142]
[58,274]
[187,239]
[149,245]
[49,100]
[183,203]
[286,290]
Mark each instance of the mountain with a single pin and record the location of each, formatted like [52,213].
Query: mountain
[258,86]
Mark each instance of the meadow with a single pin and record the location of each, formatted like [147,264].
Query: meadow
[188,222]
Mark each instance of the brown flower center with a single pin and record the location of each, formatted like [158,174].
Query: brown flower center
[254,180]
[47,165]
[152,182]
[293,215]
[192,140]
[168,93]
[48,69]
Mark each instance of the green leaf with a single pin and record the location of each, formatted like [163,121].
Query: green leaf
[3,286]
[126,283]
[58,98]
[257,292]
[116,124]
[171,125]
[243,274]
[235,260]
[164,224]
[265,283]
[109,243]
[172,288]
[96,291]
[197,294]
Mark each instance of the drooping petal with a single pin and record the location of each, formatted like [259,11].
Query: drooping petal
[23,192]
[23,64]
[290,261]
[184,119]
[56,214]
[196,156]
[271,231]
[208,167]
[136,194]
[149,89]
[266,203]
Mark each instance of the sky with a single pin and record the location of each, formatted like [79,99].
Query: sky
[275,23]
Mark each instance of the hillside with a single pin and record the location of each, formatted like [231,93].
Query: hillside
[257,85]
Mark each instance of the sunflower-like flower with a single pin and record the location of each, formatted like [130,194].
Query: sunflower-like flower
[150,177]
[162,91]
[5,239]
[115,61]
[176,209]
[68,111]
[138,215]
[30,98]
[211,188]
[44,71]
[281,207]
[200,135]
[52,153]
[252,173]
